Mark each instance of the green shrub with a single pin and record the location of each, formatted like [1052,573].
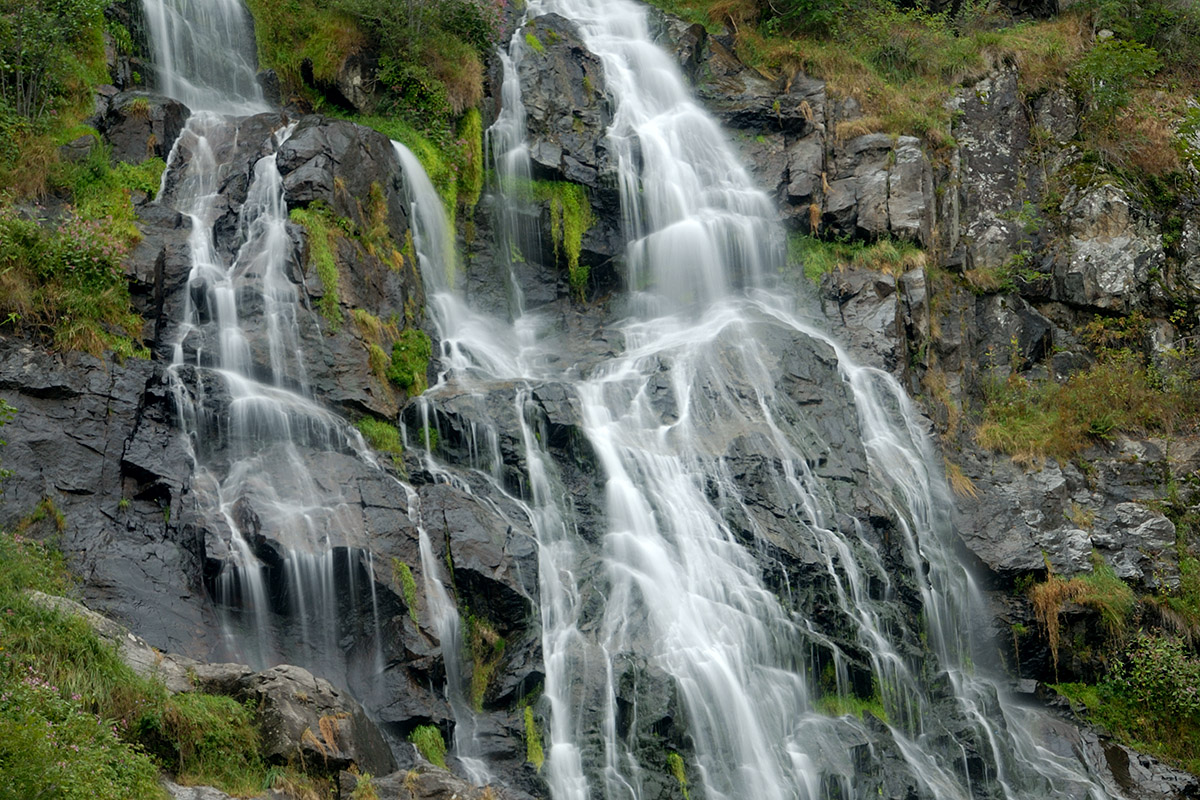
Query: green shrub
[410,360]
[1149,701]
[430,744]
[1110,71]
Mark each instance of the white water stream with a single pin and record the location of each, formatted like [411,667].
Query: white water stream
[686,604]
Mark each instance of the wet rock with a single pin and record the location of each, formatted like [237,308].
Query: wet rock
[866,307]
[139,125]
[303,718]
[337,161]
[426,782]
[567,114]
[78,419]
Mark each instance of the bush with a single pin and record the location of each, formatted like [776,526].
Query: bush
[1110,71]
[74,716]
[410,361]
[69,281]
[1159,674]
[430,744]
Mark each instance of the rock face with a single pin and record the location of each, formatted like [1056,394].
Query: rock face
[867,186]
[139,125]
[566,109]
[305,719]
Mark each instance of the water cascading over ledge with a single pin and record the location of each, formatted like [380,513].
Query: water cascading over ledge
[737,528]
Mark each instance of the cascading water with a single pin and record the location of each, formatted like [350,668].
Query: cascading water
[262,445]
[201,50]
[704,393]
[683,594]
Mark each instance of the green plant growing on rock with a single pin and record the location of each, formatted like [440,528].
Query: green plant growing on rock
[571,217]
[410,361]
[534,752]
[1102,591]
[430,744]
[321,232]
[675,766]
[402,575]
[68,279]
[382,436]
[486,647]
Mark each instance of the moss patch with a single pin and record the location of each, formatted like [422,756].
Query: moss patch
[322,230]
[410,361]
[534,752]
[403,577]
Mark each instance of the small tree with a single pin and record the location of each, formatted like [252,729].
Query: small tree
[1110,72]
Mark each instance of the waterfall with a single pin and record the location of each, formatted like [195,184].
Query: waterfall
[203,54]
[715,464]
[686,590]
[262,444]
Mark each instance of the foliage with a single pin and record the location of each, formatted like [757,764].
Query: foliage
[820,256]
[301,35]
[73,715]
[534,753]
[1150,699]
[430,68]
[1102,590]
[471,172]
[1110,71]
[40,45]
[67,280]
[410,360]
[430,744]
[364,789]
[402,575]
[1172,27]
[322,228]
[48,738]
[382,436]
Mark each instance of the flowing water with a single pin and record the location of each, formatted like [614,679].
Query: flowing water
[694,610]
[263,447]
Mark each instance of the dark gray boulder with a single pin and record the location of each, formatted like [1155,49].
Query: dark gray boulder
[139,125]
